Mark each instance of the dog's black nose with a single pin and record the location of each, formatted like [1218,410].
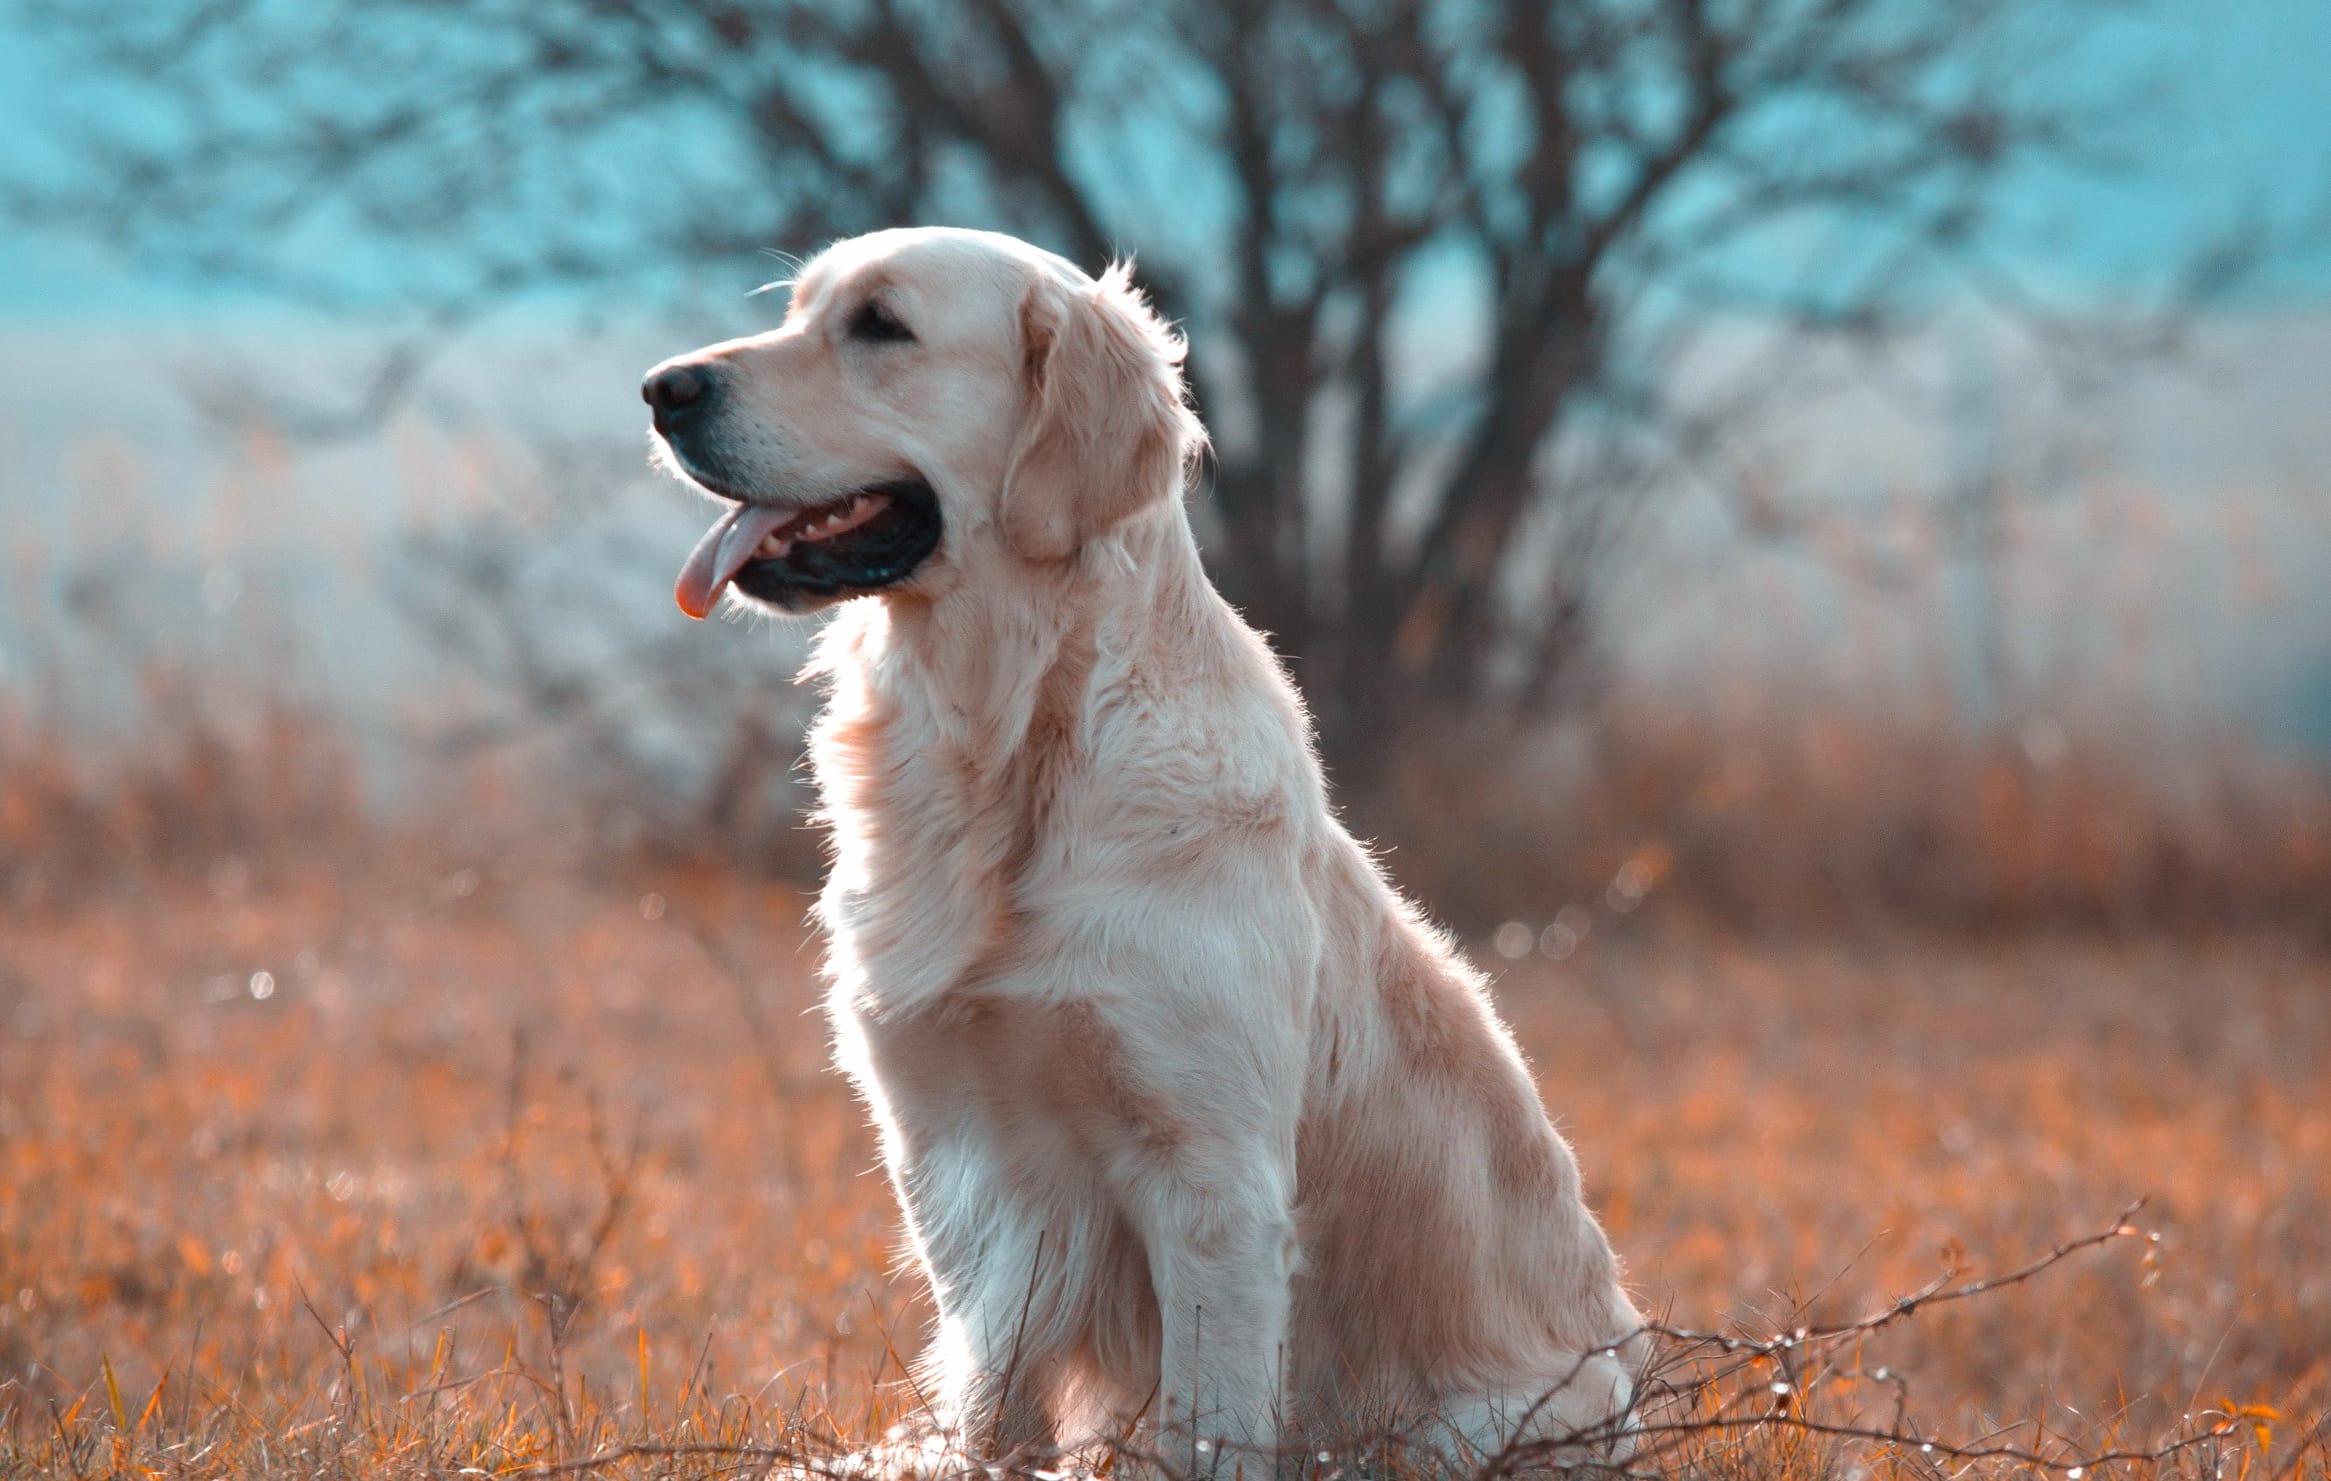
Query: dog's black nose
[672,387]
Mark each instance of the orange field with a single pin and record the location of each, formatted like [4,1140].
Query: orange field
[370,1158]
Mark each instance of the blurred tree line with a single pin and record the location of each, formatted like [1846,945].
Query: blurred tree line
[1440,260]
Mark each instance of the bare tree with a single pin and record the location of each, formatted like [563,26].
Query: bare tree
[1440,259]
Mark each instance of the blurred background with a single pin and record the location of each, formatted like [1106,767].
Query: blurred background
[1836,455]
[1805,526]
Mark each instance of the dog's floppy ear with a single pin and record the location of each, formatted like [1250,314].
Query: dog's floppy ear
[1107,431]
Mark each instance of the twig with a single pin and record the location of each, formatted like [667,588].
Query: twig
[1938,1292]
[1019,1331]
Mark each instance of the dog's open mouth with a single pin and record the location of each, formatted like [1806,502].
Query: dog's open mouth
[794,558]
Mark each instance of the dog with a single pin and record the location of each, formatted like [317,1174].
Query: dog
[1195,1123]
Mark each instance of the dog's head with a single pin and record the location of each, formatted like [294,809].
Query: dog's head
[936,402]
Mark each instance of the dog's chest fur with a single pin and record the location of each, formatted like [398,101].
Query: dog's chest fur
[1009,848]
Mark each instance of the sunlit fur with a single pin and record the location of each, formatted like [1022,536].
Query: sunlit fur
[1191,1116]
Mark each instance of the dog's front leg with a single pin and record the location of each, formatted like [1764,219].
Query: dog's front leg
[996,1275]
[1221,1243]
[1207,1063]
[995,1389]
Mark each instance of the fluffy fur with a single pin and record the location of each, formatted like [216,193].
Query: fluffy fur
[1192,1118]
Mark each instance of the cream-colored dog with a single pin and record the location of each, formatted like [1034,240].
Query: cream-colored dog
[1194,1121]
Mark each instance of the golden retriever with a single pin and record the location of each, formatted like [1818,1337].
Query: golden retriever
[1195,1123]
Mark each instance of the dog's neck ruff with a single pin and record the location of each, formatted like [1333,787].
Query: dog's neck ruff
[962,751]
[988,657]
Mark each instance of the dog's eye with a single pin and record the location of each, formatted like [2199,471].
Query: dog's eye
[879,325]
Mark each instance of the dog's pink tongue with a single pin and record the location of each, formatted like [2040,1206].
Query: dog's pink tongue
[722,553]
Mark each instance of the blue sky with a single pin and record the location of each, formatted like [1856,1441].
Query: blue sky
[2243,122]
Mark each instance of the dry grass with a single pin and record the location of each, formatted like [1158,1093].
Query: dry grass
[1835,814]
[331,1151]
